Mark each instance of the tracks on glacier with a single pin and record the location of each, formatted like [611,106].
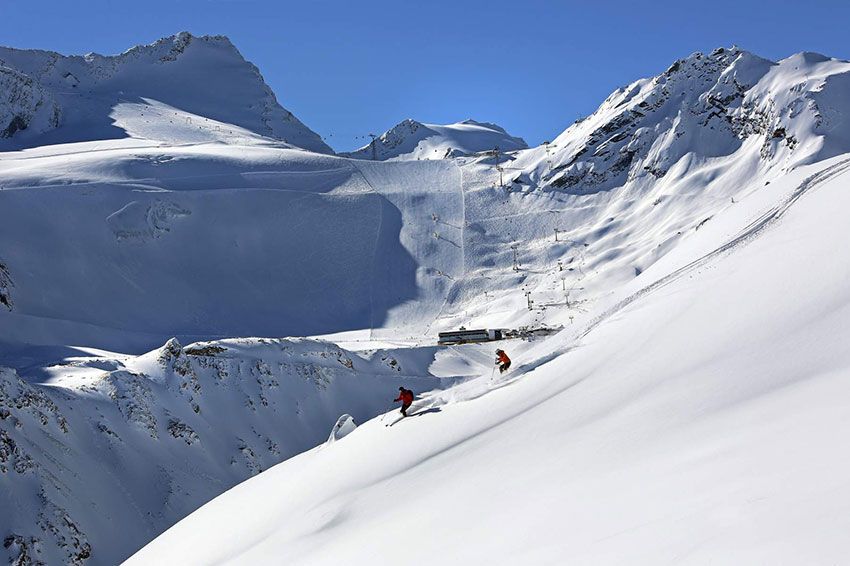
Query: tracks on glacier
[744,237]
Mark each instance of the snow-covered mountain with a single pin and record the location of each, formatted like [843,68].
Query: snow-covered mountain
[180,89]
[705,107]
[413,140]
[681,234]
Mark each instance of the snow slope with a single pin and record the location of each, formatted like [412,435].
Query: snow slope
[414,140]
[170,90]
[222,241]
[192,221]
[698,421]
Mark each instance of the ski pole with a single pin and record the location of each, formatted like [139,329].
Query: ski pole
[387,412]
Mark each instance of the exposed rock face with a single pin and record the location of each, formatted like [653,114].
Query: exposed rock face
[24,104]
[6,285]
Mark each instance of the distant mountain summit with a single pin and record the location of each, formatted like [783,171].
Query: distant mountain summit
[189,84]
[414,140]
[706,106]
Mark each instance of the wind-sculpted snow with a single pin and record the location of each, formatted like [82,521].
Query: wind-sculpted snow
[92,469]
[171,90]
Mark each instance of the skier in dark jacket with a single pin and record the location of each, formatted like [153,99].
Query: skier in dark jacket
[406,398]
[503,361]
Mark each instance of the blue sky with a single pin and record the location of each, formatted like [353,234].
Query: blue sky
[350,68]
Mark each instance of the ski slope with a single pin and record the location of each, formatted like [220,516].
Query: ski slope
[679,428]
[224,240]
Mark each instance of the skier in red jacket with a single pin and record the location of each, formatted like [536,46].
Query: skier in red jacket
[406,398]
[503,361]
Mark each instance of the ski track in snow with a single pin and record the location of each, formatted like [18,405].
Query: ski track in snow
[375,242]
[748,234]
[140,182]
[455,283]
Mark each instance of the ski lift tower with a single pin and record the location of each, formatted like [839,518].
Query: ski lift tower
[501,170]
[514,247]
[550,147]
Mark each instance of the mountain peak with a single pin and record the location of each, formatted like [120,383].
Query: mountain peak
[412,140]
[197,78]
[808,58]
[703,106]
[487,125]
[178,43]
[711,62]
